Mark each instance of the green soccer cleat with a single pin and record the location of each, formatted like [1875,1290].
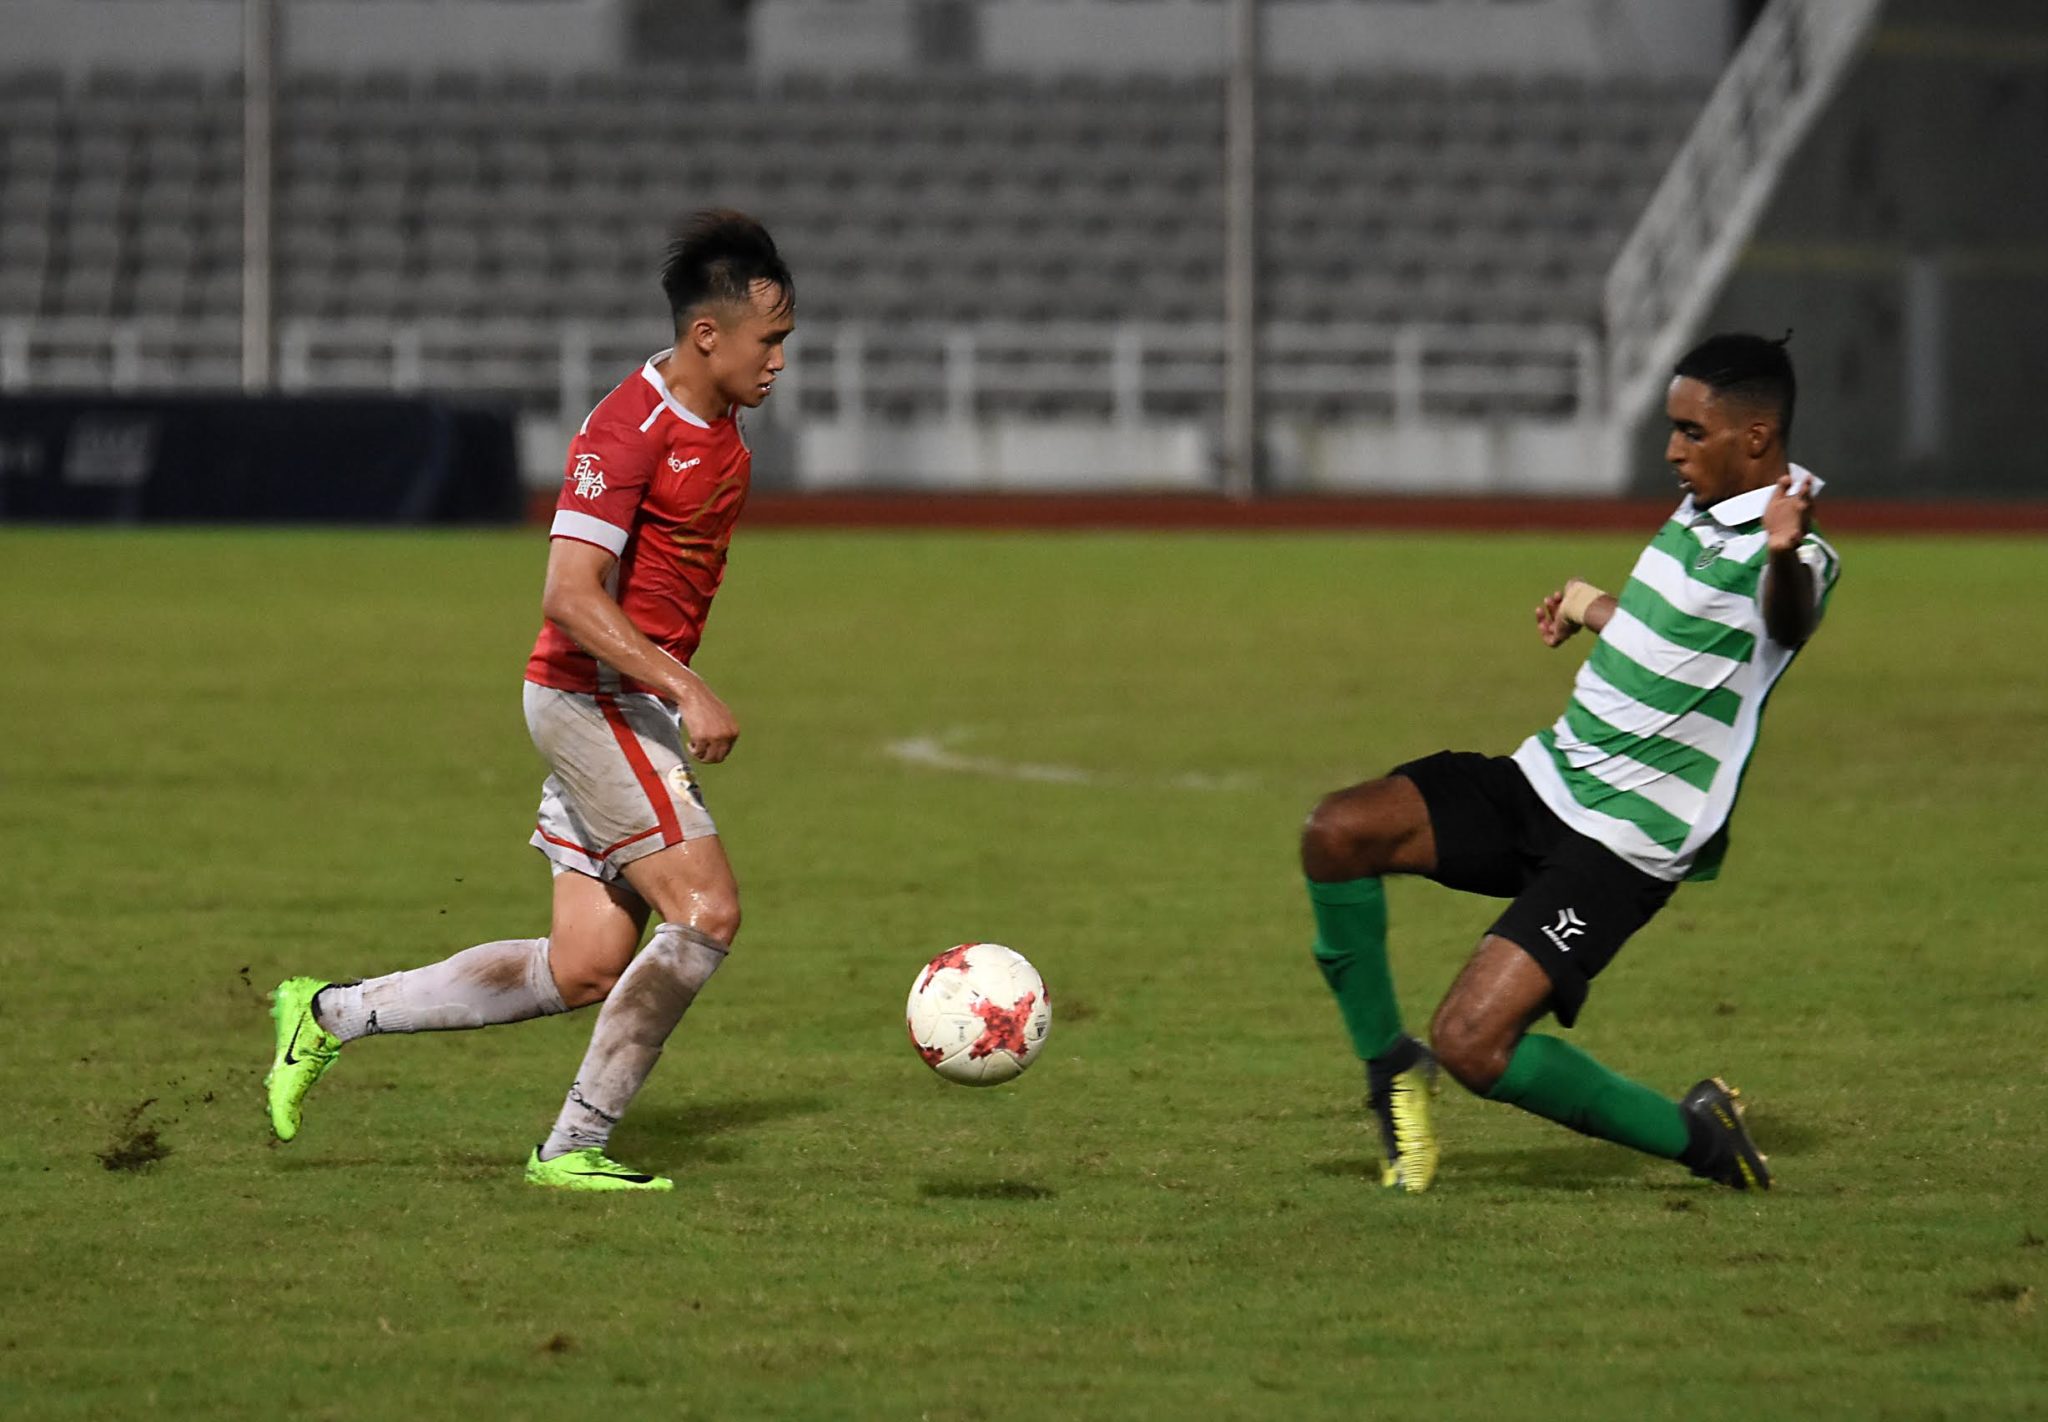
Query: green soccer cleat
[305,1050]
[1399,1087]
[589,1169]
[1715,1112]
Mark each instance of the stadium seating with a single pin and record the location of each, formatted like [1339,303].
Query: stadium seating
[957,198]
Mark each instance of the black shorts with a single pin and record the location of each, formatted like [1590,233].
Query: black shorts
[1575,901]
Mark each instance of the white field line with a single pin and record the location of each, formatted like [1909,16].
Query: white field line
[939,753]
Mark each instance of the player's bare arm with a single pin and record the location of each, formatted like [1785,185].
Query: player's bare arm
[1790,610]
[574,599]
[1577,604]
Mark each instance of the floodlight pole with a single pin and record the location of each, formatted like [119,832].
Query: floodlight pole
[259,169]
[1240,255]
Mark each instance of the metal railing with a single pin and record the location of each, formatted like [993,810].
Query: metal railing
[1122,373]
[1714,192]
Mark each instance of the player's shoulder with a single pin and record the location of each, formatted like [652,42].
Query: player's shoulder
[627,410]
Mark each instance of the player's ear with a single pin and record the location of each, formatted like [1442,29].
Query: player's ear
[703,331]
[1757,436]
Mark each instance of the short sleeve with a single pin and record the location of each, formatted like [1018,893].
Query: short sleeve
[1825,566]
[608,469]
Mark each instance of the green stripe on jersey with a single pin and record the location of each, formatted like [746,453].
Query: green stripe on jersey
[1638,683]
[1660,753]
[1665,828]
[1724,573]
[1696,634]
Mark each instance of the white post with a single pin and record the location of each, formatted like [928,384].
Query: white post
[1925,343]
[1127,373]
[124,356]
[572,376]
[407,361]
[1240,256]
[849,356]
[259,129]
[1407,374]
[1587,398]
[14,343]
[960,376]
[295,355]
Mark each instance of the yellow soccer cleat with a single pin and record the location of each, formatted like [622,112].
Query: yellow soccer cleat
[305,1050]
[589,1169]
[1399,1087]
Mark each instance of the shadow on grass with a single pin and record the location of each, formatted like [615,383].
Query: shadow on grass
[1776,1134]
[983,1190]
[1581,1164]
[1563,1167]
[690,1126]
[671,1134]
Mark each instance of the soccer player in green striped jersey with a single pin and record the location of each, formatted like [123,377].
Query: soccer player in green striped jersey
[1590,826]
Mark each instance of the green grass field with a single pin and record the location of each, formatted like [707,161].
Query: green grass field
[225,757]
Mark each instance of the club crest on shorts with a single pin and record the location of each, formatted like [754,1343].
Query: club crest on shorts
[685,785]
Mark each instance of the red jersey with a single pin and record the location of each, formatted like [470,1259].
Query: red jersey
[660,489]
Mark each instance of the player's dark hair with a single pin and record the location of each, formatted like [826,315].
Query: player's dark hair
[1751,370]
[717,258]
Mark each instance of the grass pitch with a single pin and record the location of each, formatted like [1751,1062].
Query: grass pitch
[225,757]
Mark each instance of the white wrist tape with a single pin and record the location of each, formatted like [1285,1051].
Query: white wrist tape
[1578,600]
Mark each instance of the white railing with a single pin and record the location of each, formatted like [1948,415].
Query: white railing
[1714,192]
[1123,373]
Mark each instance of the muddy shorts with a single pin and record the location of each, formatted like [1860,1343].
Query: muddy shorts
[622,785]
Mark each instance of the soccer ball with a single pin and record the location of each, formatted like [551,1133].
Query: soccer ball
[978,1013]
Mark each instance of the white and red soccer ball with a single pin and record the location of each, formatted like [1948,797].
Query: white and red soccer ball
[978,1013]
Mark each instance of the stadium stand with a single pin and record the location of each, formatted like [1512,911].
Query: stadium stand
[506,205]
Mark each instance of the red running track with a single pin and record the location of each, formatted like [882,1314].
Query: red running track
[1140,512]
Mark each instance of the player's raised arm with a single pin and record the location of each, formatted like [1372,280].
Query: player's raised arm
[575,600]
[1791,604]
[1577,604]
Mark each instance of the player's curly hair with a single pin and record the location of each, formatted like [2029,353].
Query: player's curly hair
[1754,371]
[715,260]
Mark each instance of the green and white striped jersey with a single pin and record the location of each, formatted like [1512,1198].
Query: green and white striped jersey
[1649,755]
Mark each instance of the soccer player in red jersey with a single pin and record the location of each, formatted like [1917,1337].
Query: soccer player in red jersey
[655,481]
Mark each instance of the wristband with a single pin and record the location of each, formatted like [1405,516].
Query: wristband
[1579,598]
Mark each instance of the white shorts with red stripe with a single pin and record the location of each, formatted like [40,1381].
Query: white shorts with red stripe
[622,786]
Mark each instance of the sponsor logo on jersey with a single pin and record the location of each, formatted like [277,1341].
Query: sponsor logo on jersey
[679,465]
[588,476]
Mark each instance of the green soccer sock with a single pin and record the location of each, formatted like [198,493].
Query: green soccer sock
[1351,949]
[1553,1079]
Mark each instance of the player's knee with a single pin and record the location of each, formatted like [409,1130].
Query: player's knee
[716,915]
[1474,1051]
[585,977]
[1337,841]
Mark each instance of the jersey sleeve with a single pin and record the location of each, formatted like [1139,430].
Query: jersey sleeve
[1826,567]
[609,466]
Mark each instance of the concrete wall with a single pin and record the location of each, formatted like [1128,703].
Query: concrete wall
[1187,37]
[78,36]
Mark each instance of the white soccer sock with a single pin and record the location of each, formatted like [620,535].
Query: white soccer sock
[506,981]
[644,1007]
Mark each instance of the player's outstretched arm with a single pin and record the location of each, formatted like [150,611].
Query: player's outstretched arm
[575,600]
[1790,608]
[1577,604]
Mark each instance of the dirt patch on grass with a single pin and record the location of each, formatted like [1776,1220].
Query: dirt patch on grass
[135,1146]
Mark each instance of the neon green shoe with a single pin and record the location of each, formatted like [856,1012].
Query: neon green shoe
[305,1050]
[589,1169]
[1400,1085]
